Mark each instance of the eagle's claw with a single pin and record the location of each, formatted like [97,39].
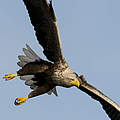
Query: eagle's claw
[19,101]
[9,76]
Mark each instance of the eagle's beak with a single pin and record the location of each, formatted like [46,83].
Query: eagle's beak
[75,83]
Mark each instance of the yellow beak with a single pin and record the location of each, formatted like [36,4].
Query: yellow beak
[75,83]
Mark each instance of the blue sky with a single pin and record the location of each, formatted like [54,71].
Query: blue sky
[90,35]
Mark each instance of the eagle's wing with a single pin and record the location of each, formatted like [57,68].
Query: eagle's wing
[45,24]
[110,107]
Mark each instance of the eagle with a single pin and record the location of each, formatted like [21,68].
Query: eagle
[44,75]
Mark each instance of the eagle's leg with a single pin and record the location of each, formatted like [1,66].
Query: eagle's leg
[10,76]
[39,91]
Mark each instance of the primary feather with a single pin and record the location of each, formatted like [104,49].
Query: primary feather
[43,19]
[110,107]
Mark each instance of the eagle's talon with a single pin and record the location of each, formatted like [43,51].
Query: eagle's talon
[20,101]
[9,76]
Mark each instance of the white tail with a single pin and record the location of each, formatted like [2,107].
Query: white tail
[31,56]
[53,91]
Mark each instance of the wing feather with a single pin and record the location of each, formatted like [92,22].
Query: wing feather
[110,107]
[45,25]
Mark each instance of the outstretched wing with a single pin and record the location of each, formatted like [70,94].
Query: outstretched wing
[110,107]
[45,24]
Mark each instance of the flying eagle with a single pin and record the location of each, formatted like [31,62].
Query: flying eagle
[43,76]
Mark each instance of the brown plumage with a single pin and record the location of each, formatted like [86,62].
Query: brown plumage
[43,76]
[45,25]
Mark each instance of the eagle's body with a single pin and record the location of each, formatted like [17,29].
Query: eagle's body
[43,76]
[59,74]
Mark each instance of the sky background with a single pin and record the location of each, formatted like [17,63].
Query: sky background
[90,35]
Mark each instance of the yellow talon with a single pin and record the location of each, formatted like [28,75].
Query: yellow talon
[10,76]
[75,83]
[20,101]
